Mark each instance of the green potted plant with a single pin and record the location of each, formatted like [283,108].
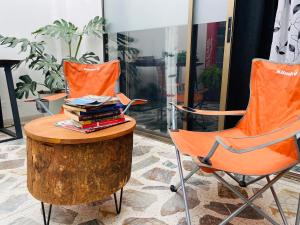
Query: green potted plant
[181,58]
[51,68]
[39,59]
[211,80]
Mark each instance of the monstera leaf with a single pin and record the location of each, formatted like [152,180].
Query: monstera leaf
[89,58]
[95,27]
[24,87]
[60,29]
[35,49]
[12,42]
[47,64]
[130,52]
[123,39]
[54,81]
[296,9]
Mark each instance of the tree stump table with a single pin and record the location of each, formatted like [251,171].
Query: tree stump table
[66,167]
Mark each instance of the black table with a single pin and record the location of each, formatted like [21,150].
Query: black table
[7,65]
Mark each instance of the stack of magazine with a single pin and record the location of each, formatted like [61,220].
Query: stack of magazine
[91,113]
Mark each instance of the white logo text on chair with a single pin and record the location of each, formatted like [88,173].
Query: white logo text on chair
[286,73]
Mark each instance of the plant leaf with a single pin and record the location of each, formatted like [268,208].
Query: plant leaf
[95,27]
[25,87]
[276,29]
[296,8]
[54,81]
[292,48]
[24,45]
[60,29]
[89,58]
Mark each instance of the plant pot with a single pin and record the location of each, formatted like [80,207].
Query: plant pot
[53,106]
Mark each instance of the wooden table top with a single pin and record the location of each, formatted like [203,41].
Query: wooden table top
[44,130]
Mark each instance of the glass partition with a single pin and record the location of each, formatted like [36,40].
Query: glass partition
[152,63]
[149,38]
[207,76]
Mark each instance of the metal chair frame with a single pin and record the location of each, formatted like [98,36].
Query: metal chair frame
[242,183]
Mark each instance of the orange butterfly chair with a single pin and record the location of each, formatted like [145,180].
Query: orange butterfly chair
[263,143]
[90,79]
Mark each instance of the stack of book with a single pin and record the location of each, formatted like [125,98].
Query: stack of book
[92,113]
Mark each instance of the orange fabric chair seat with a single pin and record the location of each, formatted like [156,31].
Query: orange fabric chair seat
[257,163]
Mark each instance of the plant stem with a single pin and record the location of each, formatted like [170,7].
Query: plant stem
[70,49]
[78,45]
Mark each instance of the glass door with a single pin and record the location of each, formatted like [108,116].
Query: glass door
[150,40]
[210,49]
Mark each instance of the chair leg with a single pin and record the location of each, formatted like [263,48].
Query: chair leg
[46,220]
[255,180]
[277,203]
[298,213]
[118,206]
[177,187]
[233,177]
[242,182]
[249,202]
[187,213]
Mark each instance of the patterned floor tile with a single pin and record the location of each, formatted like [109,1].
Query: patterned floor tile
[147,199]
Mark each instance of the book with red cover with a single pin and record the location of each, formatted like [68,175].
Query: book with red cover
[99,123]
[68,124]
[85,122]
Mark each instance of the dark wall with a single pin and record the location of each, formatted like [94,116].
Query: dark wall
[252,38]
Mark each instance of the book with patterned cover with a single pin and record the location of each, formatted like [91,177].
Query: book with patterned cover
[68,124]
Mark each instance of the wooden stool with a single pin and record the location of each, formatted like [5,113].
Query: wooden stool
[65,167]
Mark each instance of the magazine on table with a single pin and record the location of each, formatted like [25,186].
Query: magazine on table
[92,101]
[69,124]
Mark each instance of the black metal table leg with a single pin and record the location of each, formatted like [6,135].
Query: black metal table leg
[46,220]
[118,206]
[13,101]
[7,65]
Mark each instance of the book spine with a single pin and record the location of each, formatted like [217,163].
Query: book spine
[72,108]
[93,109]
[86,122]
[103,123]
[99,116]
[103,110]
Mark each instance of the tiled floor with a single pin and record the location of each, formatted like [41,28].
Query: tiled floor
[147,199]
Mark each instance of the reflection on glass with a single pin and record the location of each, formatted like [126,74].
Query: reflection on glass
[153,68]
[208,77]
[152,64]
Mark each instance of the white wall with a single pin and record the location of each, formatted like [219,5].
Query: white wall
[19,18]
